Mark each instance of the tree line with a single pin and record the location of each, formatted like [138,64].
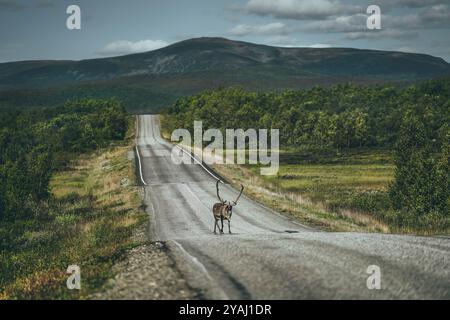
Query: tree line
[343,116]
[421,187]
[33,142]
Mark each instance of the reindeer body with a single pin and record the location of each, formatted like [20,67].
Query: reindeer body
[223,210]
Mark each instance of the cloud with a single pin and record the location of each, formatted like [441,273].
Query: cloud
[300,9]
[354,27]
[393,26]
[388,4]
[11,5]
[350,23]
[335,16]
[433,17]
[127,47]
[275,28]
[45,3]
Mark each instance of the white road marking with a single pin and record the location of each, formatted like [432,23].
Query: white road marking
[137,151]
[140,166]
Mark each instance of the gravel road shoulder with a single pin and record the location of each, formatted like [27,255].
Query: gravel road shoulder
[148,272]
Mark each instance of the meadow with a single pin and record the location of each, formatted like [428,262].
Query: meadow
[339,181]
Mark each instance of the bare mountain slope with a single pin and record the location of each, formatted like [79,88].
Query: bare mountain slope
[189,66]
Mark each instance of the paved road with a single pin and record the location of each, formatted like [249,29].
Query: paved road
[269,256]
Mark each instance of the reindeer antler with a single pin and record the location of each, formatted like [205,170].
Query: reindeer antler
[240,193]
[217,188]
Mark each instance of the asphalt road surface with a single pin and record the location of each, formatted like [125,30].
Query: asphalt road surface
[268,255]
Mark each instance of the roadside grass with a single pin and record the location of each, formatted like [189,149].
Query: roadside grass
[357,180]
[88,222]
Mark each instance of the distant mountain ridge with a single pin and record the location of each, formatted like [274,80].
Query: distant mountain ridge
[202,63]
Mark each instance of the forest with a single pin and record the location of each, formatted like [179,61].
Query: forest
[412,123]
[343,116]
[36,142]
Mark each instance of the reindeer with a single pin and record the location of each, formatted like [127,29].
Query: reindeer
[224,209]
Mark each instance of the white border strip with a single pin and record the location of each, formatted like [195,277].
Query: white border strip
[199,162]
[140,166]
[137,152]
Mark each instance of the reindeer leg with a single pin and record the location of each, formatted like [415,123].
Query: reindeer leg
[221,230]
[215,225]
[229,228]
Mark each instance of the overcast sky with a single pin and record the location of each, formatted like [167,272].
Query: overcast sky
[37,29]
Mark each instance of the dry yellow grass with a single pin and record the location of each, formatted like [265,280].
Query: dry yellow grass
[101,175]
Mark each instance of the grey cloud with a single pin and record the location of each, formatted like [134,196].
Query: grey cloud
[396,26]
[45,3]
[11,5]
[275,28]
[300,9]
[351,23]
[429,18]
[354,27]
[388,4]
[438,16]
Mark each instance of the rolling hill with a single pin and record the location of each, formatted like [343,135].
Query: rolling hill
[149,81]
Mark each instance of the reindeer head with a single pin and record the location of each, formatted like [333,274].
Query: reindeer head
[228,208]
